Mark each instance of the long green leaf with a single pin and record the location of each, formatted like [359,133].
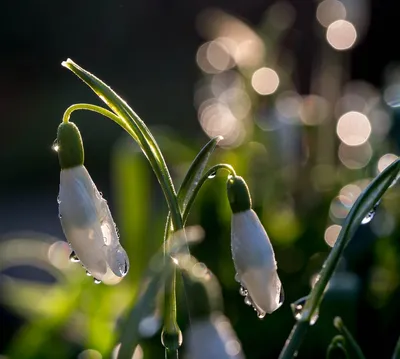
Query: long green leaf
[364,204]
[195,172]
[192,178]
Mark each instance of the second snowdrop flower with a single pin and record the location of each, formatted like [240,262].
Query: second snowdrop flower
[85,217]
[252,252]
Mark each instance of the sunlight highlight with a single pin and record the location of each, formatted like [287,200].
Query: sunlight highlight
[353,128]
[341,35]
[265,81]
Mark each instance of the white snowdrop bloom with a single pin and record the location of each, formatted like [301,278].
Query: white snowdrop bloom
[85,217]
[252,253]
[212,338]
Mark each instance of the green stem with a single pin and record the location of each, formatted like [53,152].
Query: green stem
[294,340]
[170,325]
[171,354]
[396,353]
[339,325]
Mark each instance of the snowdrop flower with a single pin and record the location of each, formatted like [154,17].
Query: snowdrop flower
[252,252]
[212,338]
[85,217]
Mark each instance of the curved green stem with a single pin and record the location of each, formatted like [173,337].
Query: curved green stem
[339,325]
[211,172]
[162,173]
[186,208]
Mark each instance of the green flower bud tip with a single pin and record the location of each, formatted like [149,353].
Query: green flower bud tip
[238,194]
[70,145]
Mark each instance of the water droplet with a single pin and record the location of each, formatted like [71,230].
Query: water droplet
[172,341]
[73,257]
[96,281]
[248,301]
[260,315]
[297,309]
[58,200]
[237,279]
[88,273]
[281,296]
[55,146]
[371,214]
[212,175]
[243,291]
[123,269]
[59,216]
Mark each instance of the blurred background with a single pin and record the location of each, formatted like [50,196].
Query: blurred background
[306,95]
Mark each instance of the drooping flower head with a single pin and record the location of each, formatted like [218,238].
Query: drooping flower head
[85,217]
[252,252]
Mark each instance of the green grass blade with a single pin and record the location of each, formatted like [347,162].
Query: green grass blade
[195,172]
[363,205]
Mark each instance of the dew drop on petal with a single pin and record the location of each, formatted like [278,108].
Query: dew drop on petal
[261,315]
[73,258]
[212,175]
[59,216]
[55,147]
[58,200]
[88,273]
[243,292]
[237,279]
[247,301]
[96,281]
[281,296]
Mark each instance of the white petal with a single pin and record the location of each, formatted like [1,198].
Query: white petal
[254,261]
[213,338]
[89,228]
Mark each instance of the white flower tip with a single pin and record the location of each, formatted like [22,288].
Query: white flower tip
[89,228]
[255,263]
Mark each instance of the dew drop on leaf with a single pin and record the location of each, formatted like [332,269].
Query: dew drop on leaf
[212,175]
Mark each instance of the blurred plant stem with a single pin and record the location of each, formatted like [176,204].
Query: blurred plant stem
[396,353]
[339,325]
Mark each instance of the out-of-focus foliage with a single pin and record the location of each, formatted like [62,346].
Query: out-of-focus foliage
[306,158]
